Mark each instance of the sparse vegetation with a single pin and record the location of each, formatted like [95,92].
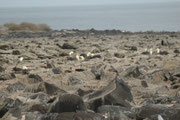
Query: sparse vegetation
[25,26]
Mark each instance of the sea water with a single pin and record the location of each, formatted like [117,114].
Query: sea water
[131,17]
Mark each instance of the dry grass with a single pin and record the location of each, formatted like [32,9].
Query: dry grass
[25,26]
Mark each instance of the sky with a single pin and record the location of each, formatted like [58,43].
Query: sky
[34,3]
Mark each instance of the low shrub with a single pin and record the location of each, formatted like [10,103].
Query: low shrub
[25,26]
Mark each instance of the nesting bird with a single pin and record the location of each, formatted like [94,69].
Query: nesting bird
[78,57]
[158,50]
[89,54]
[145,49]
[25,70]
[20,59]
[151,51]
[106,115]
[23,117]
[71,53]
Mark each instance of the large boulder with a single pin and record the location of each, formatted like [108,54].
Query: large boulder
[131,72]
[6,104]
[67,103]
[152,111]
[44,87]
[116,92]
[116,111]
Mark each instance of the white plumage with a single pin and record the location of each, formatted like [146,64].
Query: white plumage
[20,59]
[89,54]
[160,117]
[151,51]
[25,68]
[71,53]
[158,50]
[78,57]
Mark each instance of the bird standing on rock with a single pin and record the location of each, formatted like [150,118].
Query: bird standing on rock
[151,51]
[20,60]
[71,53]
[89,54]
[25,70]
[158,50]
[78,57]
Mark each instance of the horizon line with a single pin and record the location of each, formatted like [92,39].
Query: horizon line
[81,5]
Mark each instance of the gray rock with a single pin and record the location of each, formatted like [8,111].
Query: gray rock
[119,55]
[96,70]
[87,116]
[6,76]
[16,52]
[162,90]
[144,84]
[15,87]
[4,47]
[56,71]
[82,92]
[67,103]
[68,46]
[163,53]
[44,87]
[116,111]
[116,93]
[34,78]
[2,69]
[133,48]
[159,76]
[153,110]
[131,72]
[145,53]
[176,51]
[79,78]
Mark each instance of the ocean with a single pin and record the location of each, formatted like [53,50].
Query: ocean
[130,17]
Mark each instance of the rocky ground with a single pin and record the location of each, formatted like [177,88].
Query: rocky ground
[90,75]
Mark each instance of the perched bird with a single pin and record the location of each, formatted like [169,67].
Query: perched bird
[158,50]
[89,54]
[145,49]
[151,51]
[106,115]
[25,70]
[81,57]
[78,57]
[71,53]
[19,60]
[23,117]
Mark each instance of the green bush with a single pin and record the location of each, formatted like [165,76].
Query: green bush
[44,27]
[12,26]
[25,26]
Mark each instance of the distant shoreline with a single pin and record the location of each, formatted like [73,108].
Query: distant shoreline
[76,32]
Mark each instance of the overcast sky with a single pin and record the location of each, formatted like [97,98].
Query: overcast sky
[26,3]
